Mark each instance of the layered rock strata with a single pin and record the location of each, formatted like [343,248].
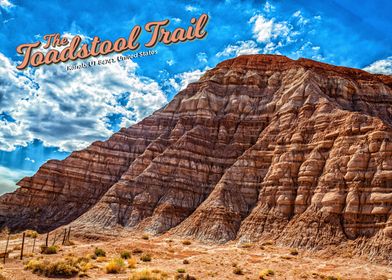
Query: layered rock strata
[261,147]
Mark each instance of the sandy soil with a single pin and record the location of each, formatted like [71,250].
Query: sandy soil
[206,261]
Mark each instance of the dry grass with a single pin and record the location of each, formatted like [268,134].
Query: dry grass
[50,250]
[115,266]
[62,268]
[132,262]
[147,274]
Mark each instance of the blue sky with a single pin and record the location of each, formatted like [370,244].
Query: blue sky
[47,112]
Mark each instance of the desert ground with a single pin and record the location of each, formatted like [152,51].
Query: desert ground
[140,256]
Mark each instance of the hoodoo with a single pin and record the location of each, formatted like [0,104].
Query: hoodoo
[261,147]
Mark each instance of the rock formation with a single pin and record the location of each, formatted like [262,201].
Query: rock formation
[261,147]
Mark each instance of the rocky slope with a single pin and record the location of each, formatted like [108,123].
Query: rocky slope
[261,147]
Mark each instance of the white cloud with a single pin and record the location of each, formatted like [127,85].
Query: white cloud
[191,8]
[29,159]
[300,18]
[202,57]
[180,81]
[9,178]
[170,62]
[6,4]
[268,7]
[239,48]
[264,30]
[176,20]
[383,66]
[70,109]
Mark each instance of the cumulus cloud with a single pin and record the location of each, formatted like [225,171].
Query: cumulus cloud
[180,81]
[383,66]
[239,48]
[70,109]
[264,30]
[6,4]
[275,35]
[9,178]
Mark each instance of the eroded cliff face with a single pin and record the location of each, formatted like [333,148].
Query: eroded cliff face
[262,147]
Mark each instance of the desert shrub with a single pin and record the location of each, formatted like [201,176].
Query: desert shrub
[99,252]
[186,242]
[145,258]
[145,237]
[294,252]
[132,262]
[185,262]
[146,274]
[181,270]
[125,255]
[333,278]
[266,272]
[50,250]
[115,266]
[184,277]
[52,269]
[137,251]
[238,271]
[31,233]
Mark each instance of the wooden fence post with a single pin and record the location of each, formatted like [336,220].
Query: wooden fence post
[65,236]
[21,250]
[69,233]
[6,247]
[34,243]
[47,239]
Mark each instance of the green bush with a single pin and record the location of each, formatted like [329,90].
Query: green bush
[99,252]
[145,258]
[125,255]
[50,250]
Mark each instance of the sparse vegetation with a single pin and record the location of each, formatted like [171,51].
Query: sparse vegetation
[185,262]
[147,274]
[238,271]
[52,269]
[181,270]
[132,262]
[145,258]
[186,242]
[50,250]
[98,252]
[266,272]
[31,233]
[332,278]
[115,266]
[145,237]
[184,277]
[125,255]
